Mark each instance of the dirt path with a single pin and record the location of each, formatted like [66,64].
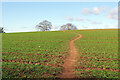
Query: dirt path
[70,60]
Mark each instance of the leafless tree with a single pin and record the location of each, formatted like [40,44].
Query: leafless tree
[44,26]
[2,30]
[68,26]
[63,27]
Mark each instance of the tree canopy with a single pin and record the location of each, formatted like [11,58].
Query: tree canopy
[44,26]
[68,26]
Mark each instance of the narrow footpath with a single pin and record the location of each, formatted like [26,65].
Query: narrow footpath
[69,63]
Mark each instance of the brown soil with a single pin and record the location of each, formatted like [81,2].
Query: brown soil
[105,59]
[32,54]
[96,68]
[97,42]
[69,63]
[38,63]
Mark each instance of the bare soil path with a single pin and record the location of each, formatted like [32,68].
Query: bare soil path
[70,60]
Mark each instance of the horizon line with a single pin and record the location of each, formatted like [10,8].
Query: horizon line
[61,30]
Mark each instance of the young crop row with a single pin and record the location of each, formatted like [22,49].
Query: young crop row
[20,70]
[35,54]
[97,60]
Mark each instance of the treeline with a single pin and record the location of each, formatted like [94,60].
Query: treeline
[46,26]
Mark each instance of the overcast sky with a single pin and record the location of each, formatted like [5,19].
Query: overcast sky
[24,16]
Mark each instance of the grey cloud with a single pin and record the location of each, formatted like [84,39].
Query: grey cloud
[79,19]
[113,14]
[86,11]
[94,10]
[69,18]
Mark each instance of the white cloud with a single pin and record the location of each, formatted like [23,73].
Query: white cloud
[113,14]
[54,26]
[79,19]
[109,26]
[103,8]
[86,11]
[93,22]
[96,10]
[69,18]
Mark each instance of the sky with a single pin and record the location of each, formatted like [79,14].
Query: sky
[24,16]
[60,0]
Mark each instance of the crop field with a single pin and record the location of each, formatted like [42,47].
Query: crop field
[97,54]
[42,54]
[35,54]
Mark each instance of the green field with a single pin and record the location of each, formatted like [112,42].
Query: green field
[41,54]
[98,54]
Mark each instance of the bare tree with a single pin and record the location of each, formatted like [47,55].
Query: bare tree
[2,30]
[63,27]
[44,26]
[68,26]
